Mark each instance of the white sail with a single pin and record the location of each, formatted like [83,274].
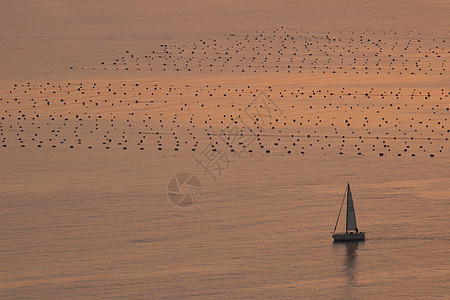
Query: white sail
[351,217]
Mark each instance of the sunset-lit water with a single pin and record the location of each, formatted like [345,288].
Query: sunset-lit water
[272,107]
[92,228]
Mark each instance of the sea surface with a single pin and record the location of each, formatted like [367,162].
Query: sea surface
[78,225]
[106,107]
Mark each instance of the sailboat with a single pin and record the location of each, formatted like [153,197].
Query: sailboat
[351,231]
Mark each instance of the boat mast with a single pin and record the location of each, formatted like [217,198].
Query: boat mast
[342,203]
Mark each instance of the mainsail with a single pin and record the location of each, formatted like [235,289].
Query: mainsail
[351,218]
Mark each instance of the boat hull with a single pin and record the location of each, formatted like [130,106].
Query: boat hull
[345,237]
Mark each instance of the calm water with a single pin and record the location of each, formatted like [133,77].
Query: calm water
[77,225]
